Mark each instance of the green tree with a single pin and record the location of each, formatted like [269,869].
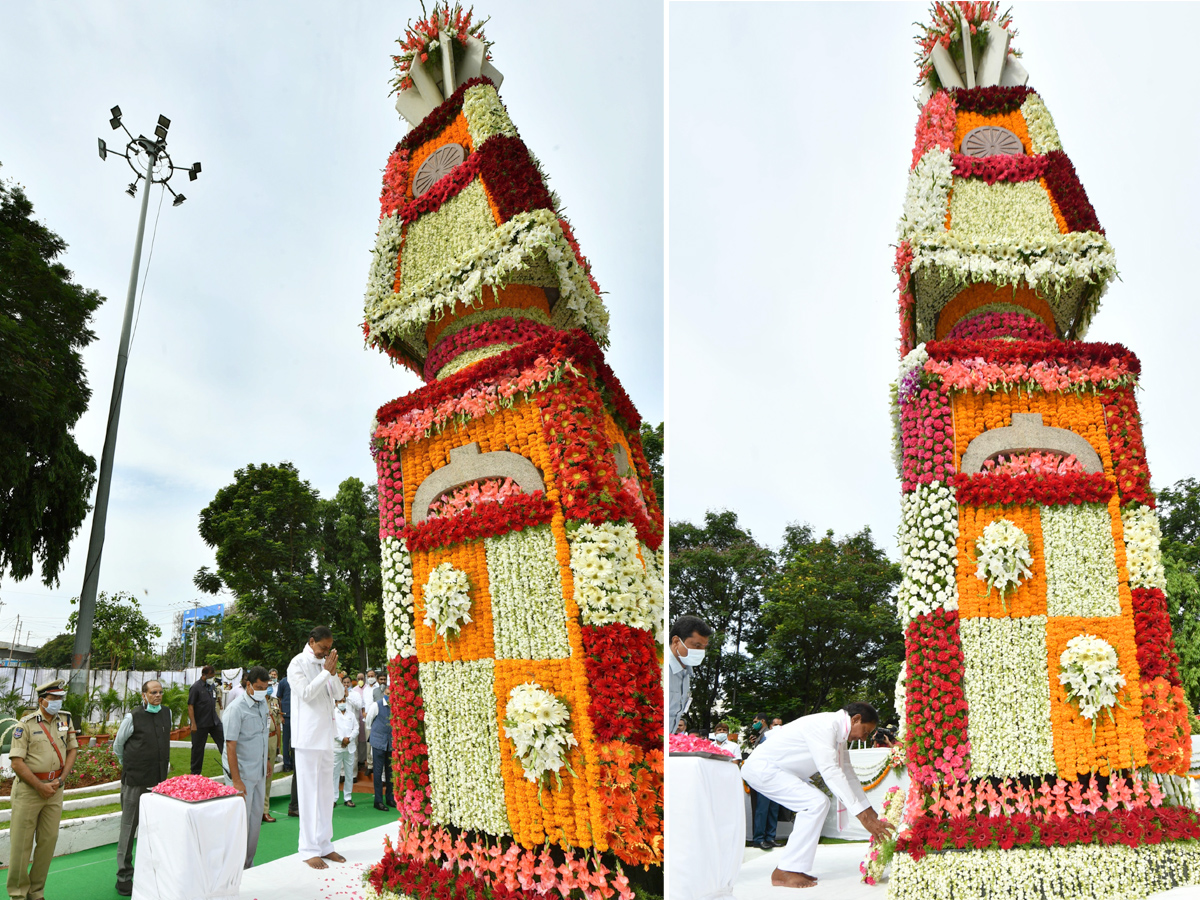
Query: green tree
[827,632]
[120,630]
[652,445]
[1179,514]
[717,573]
[350,552]
[56,653]
[266,531]
[45,478]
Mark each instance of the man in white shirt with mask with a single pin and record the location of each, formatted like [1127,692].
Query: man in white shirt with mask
[315,690]
[689,639]
[782,768]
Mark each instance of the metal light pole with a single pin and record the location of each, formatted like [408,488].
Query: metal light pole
[149,160]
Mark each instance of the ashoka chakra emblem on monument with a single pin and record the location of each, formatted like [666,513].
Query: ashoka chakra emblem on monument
[439,164]
[991,140]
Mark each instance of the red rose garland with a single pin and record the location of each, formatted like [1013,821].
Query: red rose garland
[483,520]
[506,330]
[1028,352]
[989,101]
[1069,194]
[625,684]
[999,168]
[999,489]
[935,706]
[1156,654]
[1124,429]
[926,437]
[993,326]
[410,755]
[908,301]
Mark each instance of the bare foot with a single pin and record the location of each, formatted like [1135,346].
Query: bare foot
[334,857]
[782,878]
[316,863]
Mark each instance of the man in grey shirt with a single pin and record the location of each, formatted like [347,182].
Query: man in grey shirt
[245,755]
[689,638]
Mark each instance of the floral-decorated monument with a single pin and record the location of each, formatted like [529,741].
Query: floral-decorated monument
[1046,727]
[521,534]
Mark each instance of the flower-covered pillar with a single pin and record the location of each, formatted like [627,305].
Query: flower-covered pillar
[1045,723]
[521,536]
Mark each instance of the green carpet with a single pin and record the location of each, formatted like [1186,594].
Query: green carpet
[93,873]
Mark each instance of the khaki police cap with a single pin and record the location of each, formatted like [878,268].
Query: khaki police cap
[57,686]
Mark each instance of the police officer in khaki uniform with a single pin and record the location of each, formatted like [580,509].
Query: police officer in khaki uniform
[43,752]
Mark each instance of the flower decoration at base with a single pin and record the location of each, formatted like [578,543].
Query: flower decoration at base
[193,788]
[536,723]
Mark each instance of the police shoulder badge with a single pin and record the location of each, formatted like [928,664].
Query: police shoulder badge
[17,732]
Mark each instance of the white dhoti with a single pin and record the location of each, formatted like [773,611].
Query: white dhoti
[808,803]
[314,783]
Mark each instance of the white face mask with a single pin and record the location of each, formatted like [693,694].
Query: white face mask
[254,695]
[722,737]
[691,657]
[371,680]
[341,707]
[212,681]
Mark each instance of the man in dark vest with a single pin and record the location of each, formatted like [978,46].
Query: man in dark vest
[379,727]
[143,747]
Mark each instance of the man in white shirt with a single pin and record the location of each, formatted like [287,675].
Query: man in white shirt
[721,736]
[314,692]
[345,747]
[782,770]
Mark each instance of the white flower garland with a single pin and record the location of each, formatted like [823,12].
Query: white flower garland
[1143,548]
[1043,134]
[1116,872]
[485,114]
[528,608]
[466,786]
[1089,670]
[928,538]
[397,599]
[447,600]
[927,195]
[1081,564]
[511,247]
[536,722]
[611,584]
[1007,210]
[1008,696]
[901,693]
[655,579]
[439,238]
[1003,557]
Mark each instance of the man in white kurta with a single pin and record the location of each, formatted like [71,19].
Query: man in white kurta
[315,690]
[782,770]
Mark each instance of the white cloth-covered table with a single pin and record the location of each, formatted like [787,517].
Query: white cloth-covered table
[705,833]
[190,851]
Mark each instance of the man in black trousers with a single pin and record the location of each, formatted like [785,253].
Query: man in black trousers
[202,711]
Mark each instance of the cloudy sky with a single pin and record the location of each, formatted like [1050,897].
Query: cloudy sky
[248,347]
[790,134]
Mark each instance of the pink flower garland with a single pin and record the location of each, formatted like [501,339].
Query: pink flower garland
[903,269]
[991,169]
[1000,325]
[193,788]
[935,126]
[926,437]
[490,490]
[979,375]
[391,494]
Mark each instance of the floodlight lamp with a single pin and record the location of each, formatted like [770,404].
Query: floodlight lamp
[164,123]
[115,122]
[160,133]
[103,148]
[179,198]
[132,189]
[116,112]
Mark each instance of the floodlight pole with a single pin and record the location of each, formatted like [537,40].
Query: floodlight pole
[81,659]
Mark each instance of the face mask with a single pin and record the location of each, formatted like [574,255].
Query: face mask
[692,657]
[153,707]
[341,707]
[360,682]
[722,737]
[371,681]
[757,726]
[274,681]
[255,696]
[212,681]
[54,707]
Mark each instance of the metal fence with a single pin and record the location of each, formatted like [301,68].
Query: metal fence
[26,680]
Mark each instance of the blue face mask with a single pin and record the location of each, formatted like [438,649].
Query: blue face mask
[153,707]
[54,707]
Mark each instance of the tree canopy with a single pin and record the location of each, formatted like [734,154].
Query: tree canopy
[1179,514]
[717,573]
[652,445]
[350,553]
[121,633]
[45,478]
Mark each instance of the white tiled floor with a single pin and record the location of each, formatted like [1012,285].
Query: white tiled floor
[290,879]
